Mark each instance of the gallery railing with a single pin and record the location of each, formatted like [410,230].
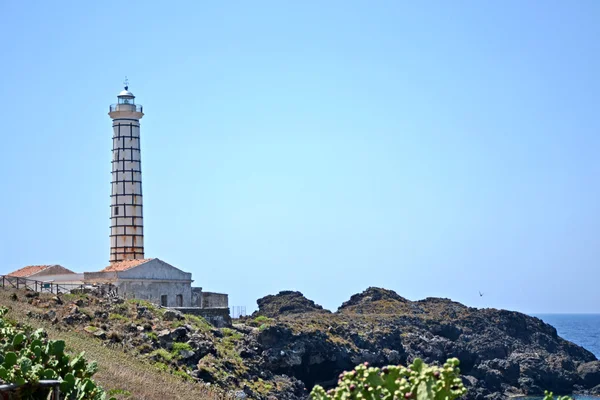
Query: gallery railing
[126,107]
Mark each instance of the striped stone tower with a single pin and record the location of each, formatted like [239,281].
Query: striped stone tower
[126,220]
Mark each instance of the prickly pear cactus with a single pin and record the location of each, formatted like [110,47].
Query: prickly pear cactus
[418,381]
[550,396]
[27,357]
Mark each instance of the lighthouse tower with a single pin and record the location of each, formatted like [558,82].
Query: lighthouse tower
[126,218]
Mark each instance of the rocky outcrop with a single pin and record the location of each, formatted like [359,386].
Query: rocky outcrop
[366,301]
[502,353]
[286,303]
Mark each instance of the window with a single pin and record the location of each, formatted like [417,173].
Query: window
[116,210]
[179,300]
[163,300]
[126,100]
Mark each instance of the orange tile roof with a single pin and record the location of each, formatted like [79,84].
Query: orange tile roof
[125,265]
[29,270]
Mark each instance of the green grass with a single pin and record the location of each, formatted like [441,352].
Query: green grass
[118,317]
[232,334]
[153,308]
[141,303]
[122,309]
[198,322]
[177,347]
[183,375]
[119,392]
[181,346]
[162,355]
[73,297]
[261,386]
[227,353]
[260,321]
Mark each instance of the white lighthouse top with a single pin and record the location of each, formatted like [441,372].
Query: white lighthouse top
[126,107]
[125,93]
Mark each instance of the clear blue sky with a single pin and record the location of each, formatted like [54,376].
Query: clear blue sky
[432,148]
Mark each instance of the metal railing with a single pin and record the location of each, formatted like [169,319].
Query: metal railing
[238,311]
[53,385]
[13,282]
[126,107]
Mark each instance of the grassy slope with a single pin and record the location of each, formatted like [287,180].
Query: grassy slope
[117,370]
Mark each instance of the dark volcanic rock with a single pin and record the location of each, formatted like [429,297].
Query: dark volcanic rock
[590,373]
[501,352]
[363,302]
[284,303]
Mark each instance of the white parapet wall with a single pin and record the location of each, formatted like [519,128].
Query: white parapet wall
[64,278]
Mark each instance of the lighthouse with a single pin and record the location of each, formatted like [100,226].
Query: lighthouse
[126,216]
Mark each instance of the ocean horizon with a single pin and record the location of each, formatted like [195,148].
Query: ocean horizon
[581,329]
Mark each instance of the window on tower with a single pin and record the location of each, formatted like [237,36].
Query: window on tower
[116,210]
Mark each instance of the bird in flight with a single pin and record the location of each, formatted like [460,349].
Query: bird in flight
[480,294]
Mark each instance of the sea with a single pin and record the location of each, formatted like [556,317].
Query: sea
[581,329]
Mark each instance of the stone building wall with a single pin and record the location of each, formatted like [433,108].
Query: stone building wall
[164,293]
[214,300]
[196,297]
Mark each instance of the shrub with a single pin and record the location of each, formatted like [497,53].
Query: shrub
[418,381]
